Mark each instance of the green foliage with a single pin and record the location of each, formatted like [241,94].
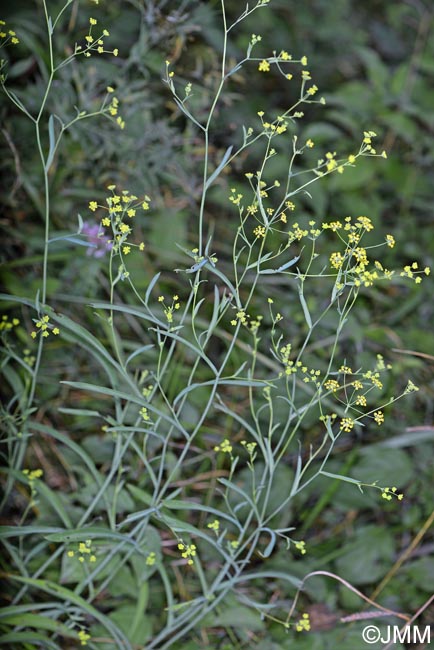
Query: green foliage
[203,355]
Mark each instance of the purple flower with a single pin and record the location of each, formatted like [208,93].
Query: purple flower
[99,243]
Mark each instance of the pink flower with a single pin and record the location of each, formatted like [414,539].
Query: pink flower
[99,243]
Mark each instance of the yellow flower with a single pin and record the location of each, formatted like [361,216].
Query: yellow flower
[189,551]
[259,231]
[379,417]
[301,546]
[84,637]
[264,66]
[150,560]
[332,384]
[303,625]
[347,424]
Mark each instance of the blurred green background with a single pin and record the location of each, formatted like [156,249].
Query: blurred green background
[374,64]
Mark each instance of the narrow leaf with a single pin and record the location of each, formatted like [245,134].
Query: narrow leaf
[70,597]
[282,268]
[140,350]
[52,142]
[339,477]
[88,532]
[304,305]
[217,171]
[152,284]
[271,544]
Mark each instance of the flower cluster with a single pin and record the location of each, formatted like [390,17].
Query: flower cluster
[252,324]
[224,447]
[352,390]
[43,325]
[32,476]
[6,325]
[151,558]
[388,493]
[8,36]
[271,219]
[214,525]
[188,551]
[413,272]
[147,390]
[330,163]
[347,424]
[303,625]
[301,546]
[112,109]
[170,309]
[297,366]
[94,44]
[28,357]
[280,60]
[121,208]
[410,388]
[84,552]
[144,414]
[83,637]
[353,264]
[250,447]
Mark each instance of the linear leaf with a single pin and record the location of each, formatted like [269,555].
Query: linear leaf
[56,504]
[217,171]
[52,142]
[141,349]
[271,544]
[24,638]
[282,268]
[339,477]
[17,531]
[178,504]
[88,532]
[152,284]
[304,305]
[39,622]
[251,383]
[69,596]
